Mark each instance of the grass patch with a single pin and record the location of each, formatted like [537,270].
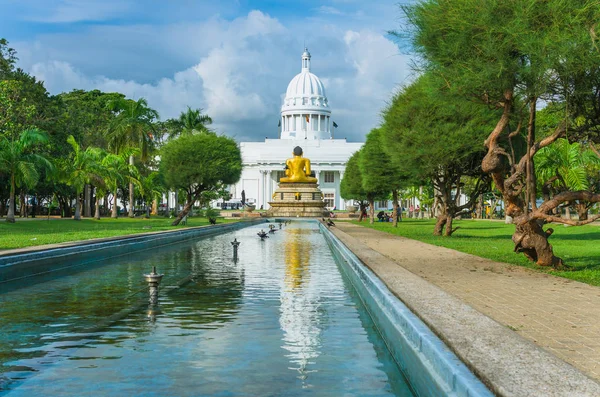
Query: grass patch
[27,233]
[578,246]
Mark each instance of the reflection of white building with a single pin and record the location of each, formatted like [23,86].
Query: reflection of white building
[305,122]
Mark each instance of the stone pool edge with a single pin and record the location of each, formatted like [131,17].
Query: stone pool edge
[507,363]
[31,258]
[430,367]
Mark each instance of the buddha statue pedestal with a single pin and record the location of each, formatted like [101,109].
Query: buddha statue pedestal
[298,194]
[298,199]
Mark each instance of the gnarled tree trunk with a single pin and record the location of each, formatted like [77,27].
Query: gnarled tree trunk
[531,240]
[190,200]
[448,232]
[439,224]
[582,211]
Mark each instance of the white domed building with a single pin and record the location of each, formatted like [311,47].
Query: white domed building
[306,122]
[305,112]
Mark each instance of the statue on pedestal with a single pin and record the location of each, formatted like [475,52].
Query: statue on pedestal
[298,194]
[297,169]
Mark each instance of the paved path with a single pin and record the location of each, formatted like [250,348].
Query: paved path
[559,315]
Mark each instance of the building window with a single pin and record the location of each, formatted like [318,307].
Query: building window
[328,177]
[329,199]
[382,204]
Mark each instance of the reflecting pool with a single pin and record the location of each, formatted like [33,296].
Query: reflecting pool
[281,321]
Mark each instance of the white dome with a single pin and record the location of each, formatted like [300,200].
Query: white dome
[305,112]
[305,85]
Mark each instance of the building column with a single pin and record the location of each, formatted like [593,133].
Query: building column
[261,187]
[269,188]
[342,205]
[318,176]
[265,190]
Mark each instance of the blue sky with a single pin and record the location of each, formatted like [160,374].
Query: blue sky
[232,58]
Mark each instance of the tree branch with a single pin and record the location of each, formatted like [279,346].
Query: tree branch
[558,219]
[582,195]
[492,141]
[595,149]
[517,131]
[558,133]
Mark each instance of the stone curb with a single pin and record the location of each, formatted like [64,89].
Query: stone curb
[79,243]
[428,364]
[507,363]
[31,261]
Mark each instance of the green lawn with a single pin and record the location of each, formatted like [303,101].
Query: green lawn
[26,233]
[578,246]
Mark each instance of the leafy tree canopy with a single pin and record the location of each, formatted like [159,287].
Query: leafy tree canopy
[87,115]
[200,164]
[428,129]
[351,186]
[379,173]
[8,58]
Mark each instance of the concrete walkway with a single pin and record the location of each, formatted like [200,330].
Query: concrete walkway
[559,315]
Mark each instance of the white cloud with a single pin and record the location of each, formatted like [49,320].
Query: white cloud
[236,70]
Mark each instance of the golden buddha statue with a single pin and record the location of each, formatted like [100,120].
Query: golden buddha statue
[297,169]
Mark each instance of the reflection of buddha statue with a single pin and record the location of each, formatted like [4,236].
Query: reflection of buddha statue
[297,169]
[297,255]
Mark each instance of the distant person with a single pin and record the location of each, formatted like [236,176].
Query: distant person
[363,213]
[380,216]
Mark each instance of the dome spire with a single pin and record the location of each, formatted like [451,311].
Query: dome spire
[306,60]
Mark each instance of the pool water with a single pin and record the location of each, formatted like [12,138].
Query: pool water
[281,321]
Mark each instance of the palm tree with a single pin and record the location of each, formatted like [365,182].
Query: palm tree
[111,177]
[116,170]
[191,122]
[131,128]
[79,169]
[565,166]
[153,188]
[19,162]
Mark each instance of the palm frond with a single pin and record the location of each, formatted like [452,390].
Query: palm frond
[26,174]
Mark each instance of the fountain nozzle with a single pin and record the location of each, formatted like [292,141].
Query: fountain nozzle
[153,279]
